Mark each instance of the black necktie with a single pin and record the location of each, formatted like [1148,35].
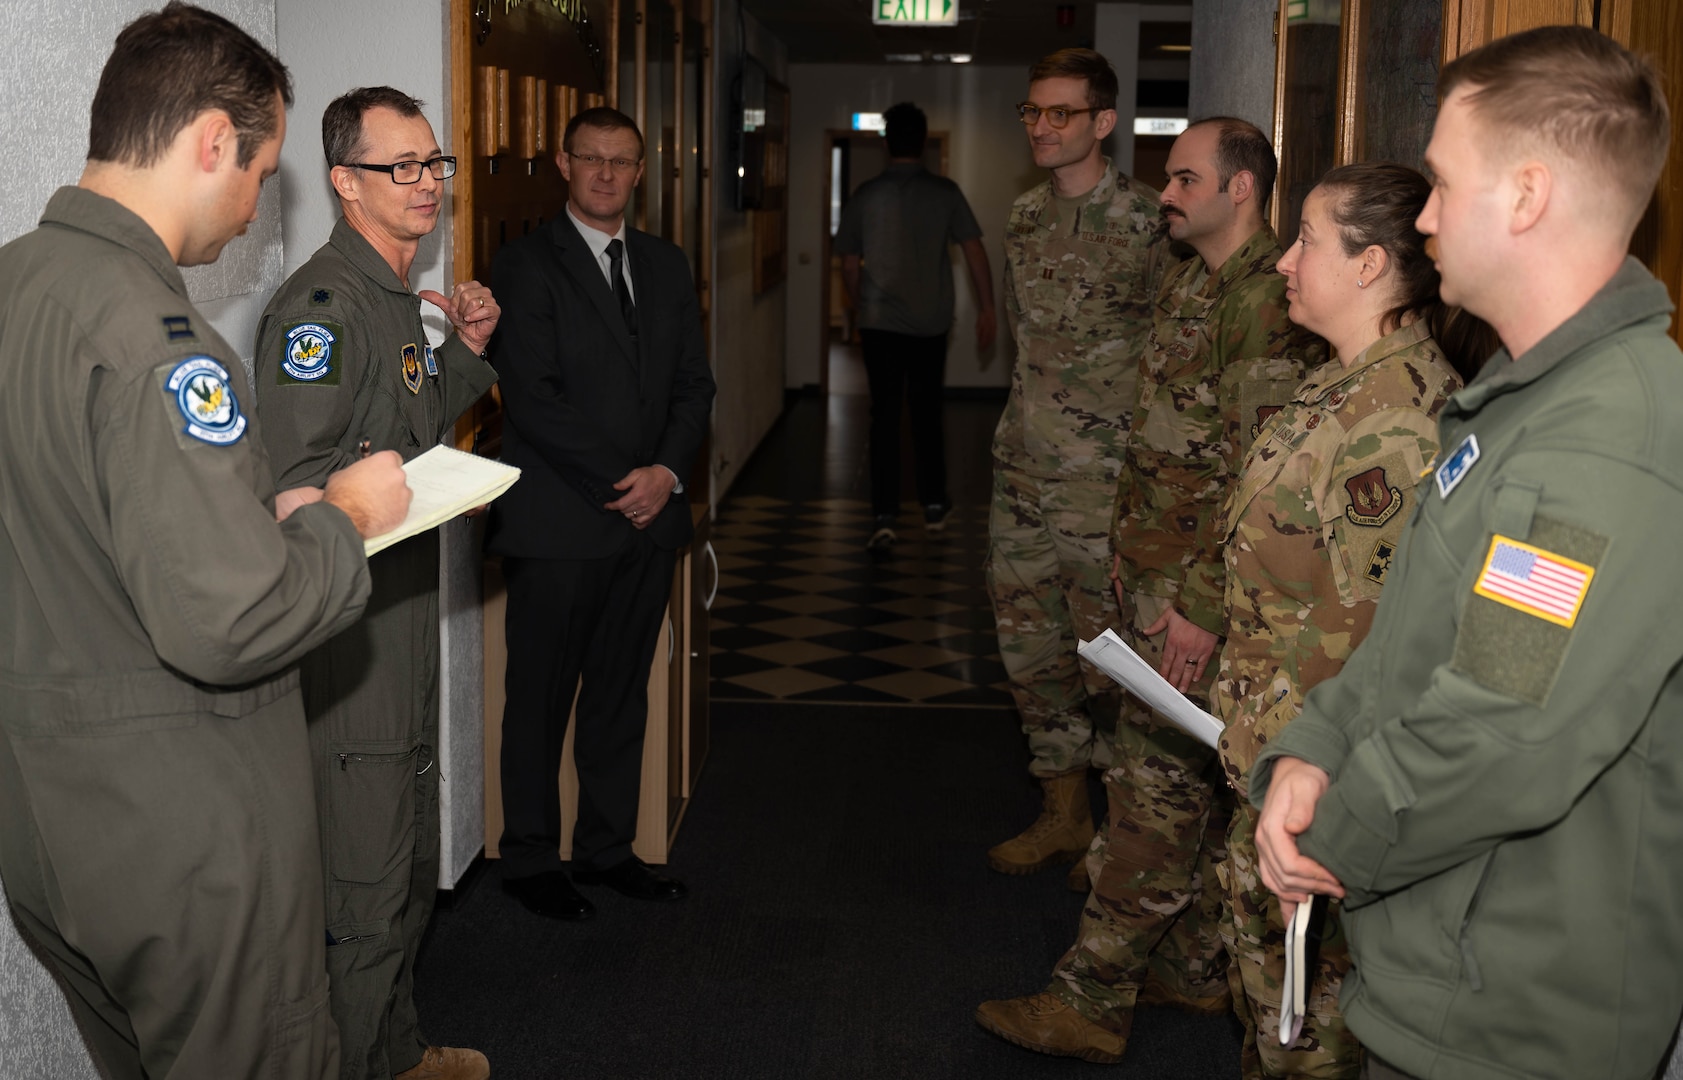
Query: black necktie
[622,291]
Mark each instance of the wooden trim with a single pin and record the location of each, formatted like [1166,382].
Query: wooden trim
[641,78]
[678,146]
[460,44]
[611,75]
[1279,105]
[1352,83]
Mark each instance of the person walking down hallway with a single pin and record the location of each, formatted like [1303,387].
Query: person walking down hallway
[1084,253]
[893,241]
[607,395]
[343,366]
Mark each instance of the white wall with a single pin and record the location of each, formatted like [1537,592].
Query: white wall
[331,47]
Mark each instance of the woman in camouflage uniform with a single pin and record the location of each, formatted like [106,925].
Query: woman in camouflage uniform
[1311,529]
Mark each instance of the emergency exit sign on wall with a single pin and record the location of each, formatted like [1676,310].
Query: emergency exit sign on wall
[914,12]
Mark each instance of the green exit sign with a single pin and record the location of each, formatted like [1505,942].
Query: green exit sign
[914,12]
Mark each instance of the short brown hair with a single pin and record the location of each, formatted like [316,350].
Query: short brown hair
[1081,64]
[1242,147]
[169,66]
[604,119]
[341,121]
[1574,91]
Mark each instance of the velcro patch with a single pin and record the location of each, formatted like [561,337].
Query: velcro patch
[307,354]
[1506,646]
[1379,563]
[1373,499]
[201,392]
[1537,582]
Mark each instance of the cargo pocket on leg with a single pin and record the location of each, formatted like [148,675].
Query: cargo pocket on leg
[371,814]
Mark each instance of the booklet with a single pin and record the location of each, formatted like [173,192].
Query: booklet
[446,484]
[1111,655]
[1292,993]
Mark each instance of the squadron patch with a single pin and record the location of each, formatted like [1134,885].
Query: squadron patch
[1379,563]
[1537,582]
[178,328]
[412,368]
[307,355]
[1373,501]
[1456,465]
[200,387]
[432,364]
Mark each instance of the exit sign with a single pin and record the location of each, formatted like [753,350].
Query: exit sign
[914,12]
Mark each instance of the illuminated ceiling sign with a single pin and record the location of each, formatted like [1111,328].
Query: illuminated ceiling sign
[869,121]
[914,12]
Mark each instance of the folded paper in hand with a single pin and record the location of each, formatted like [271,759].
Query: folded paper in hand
[446,483]
[1111,655]
[1293,996]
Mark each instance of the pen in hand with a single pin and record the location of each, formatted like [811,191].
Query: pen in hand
[363,447]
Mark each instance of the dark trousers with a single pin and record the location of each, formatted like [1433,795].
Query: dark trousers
[590,626]
[914,368]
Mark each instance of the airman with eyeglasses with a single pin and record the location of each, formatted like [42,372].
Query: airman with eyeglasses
[596,161]
[442,167]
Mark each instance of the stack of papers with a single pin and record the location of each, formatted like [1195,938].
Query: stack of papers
[446,484]
[1292,993]
[1111,655]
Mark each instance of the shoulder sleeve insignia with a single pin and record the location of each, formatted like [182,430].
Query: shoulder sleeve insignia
[1373,501]
[178,328]
[308,354]
[321,297]
[1537,582]
[200,387]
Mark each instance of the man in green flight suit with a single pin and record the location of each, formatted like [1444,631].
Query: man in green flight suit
[1494,781]
[343,365]
[1220,342]
[157,828]
[1084,252]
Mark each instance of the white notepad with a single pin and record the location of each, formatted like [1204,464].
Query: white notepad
[446,484]
[1111,655]
[1293,993]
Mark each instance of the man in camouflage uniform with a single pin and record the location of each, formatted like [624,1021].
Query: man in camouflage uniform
[1082,259]
[1151,922]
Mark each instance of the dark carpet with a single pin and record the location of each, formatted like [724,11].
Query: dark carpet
[841,922]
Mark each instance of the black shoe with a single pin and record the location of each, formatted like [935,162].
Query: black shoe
[935,517]
[882,535]
[633,878]
[551,895]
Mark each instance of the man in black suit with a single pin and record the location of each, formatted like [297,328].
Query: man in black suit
[607,395]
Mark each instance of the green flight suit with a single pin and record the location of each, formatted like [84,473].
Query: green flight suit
[157,823]
[341,358]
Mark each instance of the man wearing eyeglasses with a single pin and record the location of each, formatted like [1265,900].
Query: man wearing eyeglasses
[343,367]
[607,396]
[1083,254]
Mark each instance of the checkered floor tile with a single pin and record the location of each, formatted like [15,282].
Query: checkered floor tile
[806,613]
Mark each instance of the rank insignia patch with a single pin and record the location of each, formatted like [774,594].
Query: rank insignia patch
[1537,582]
[178,328]
[1373,501]
[412,368]
[1379,563]
[432,364]
[1456,465]
[308,355]
[321,297]
[200,387]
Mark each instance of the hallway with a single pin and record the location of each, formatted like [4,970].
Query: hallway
[841,922]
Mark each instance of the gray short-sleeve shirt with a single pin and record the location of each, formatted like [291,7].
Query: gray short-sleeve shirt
[900,224]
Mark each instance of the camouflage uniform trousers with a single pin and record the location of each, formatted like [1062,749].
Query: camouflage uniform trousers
[1155,907]
[1048,575]
[1254,931]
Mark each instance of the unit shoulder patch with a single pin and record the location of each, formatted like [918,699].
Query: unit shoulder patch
[201,392]
[307,354]
[410,357]
[1373,499]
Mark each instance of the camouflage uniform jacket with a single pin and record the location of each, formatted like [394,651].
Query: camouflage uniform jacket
[1181,459]
[1312,525]
[1079,306]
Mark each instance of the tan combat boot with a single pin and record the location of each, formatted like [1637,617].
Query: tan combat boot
[1214,999]
[1043,1023]
[448,1063]
[1060,834]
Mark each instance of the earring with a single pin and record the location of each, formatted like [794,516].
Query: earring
[1360,284]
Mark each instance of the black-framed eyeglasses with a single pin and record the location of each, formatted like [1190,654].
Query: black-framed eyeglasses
[1058,116]
[409,172]
[594,161]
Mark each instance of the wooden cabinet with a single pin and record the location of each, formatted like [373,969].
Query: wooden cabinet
[676,738]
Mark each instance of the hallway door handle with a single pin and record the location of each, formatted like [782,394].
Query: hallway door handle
[712,557]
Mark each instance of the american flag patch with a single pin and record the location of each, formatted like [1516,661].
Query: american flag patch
[1534,581]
